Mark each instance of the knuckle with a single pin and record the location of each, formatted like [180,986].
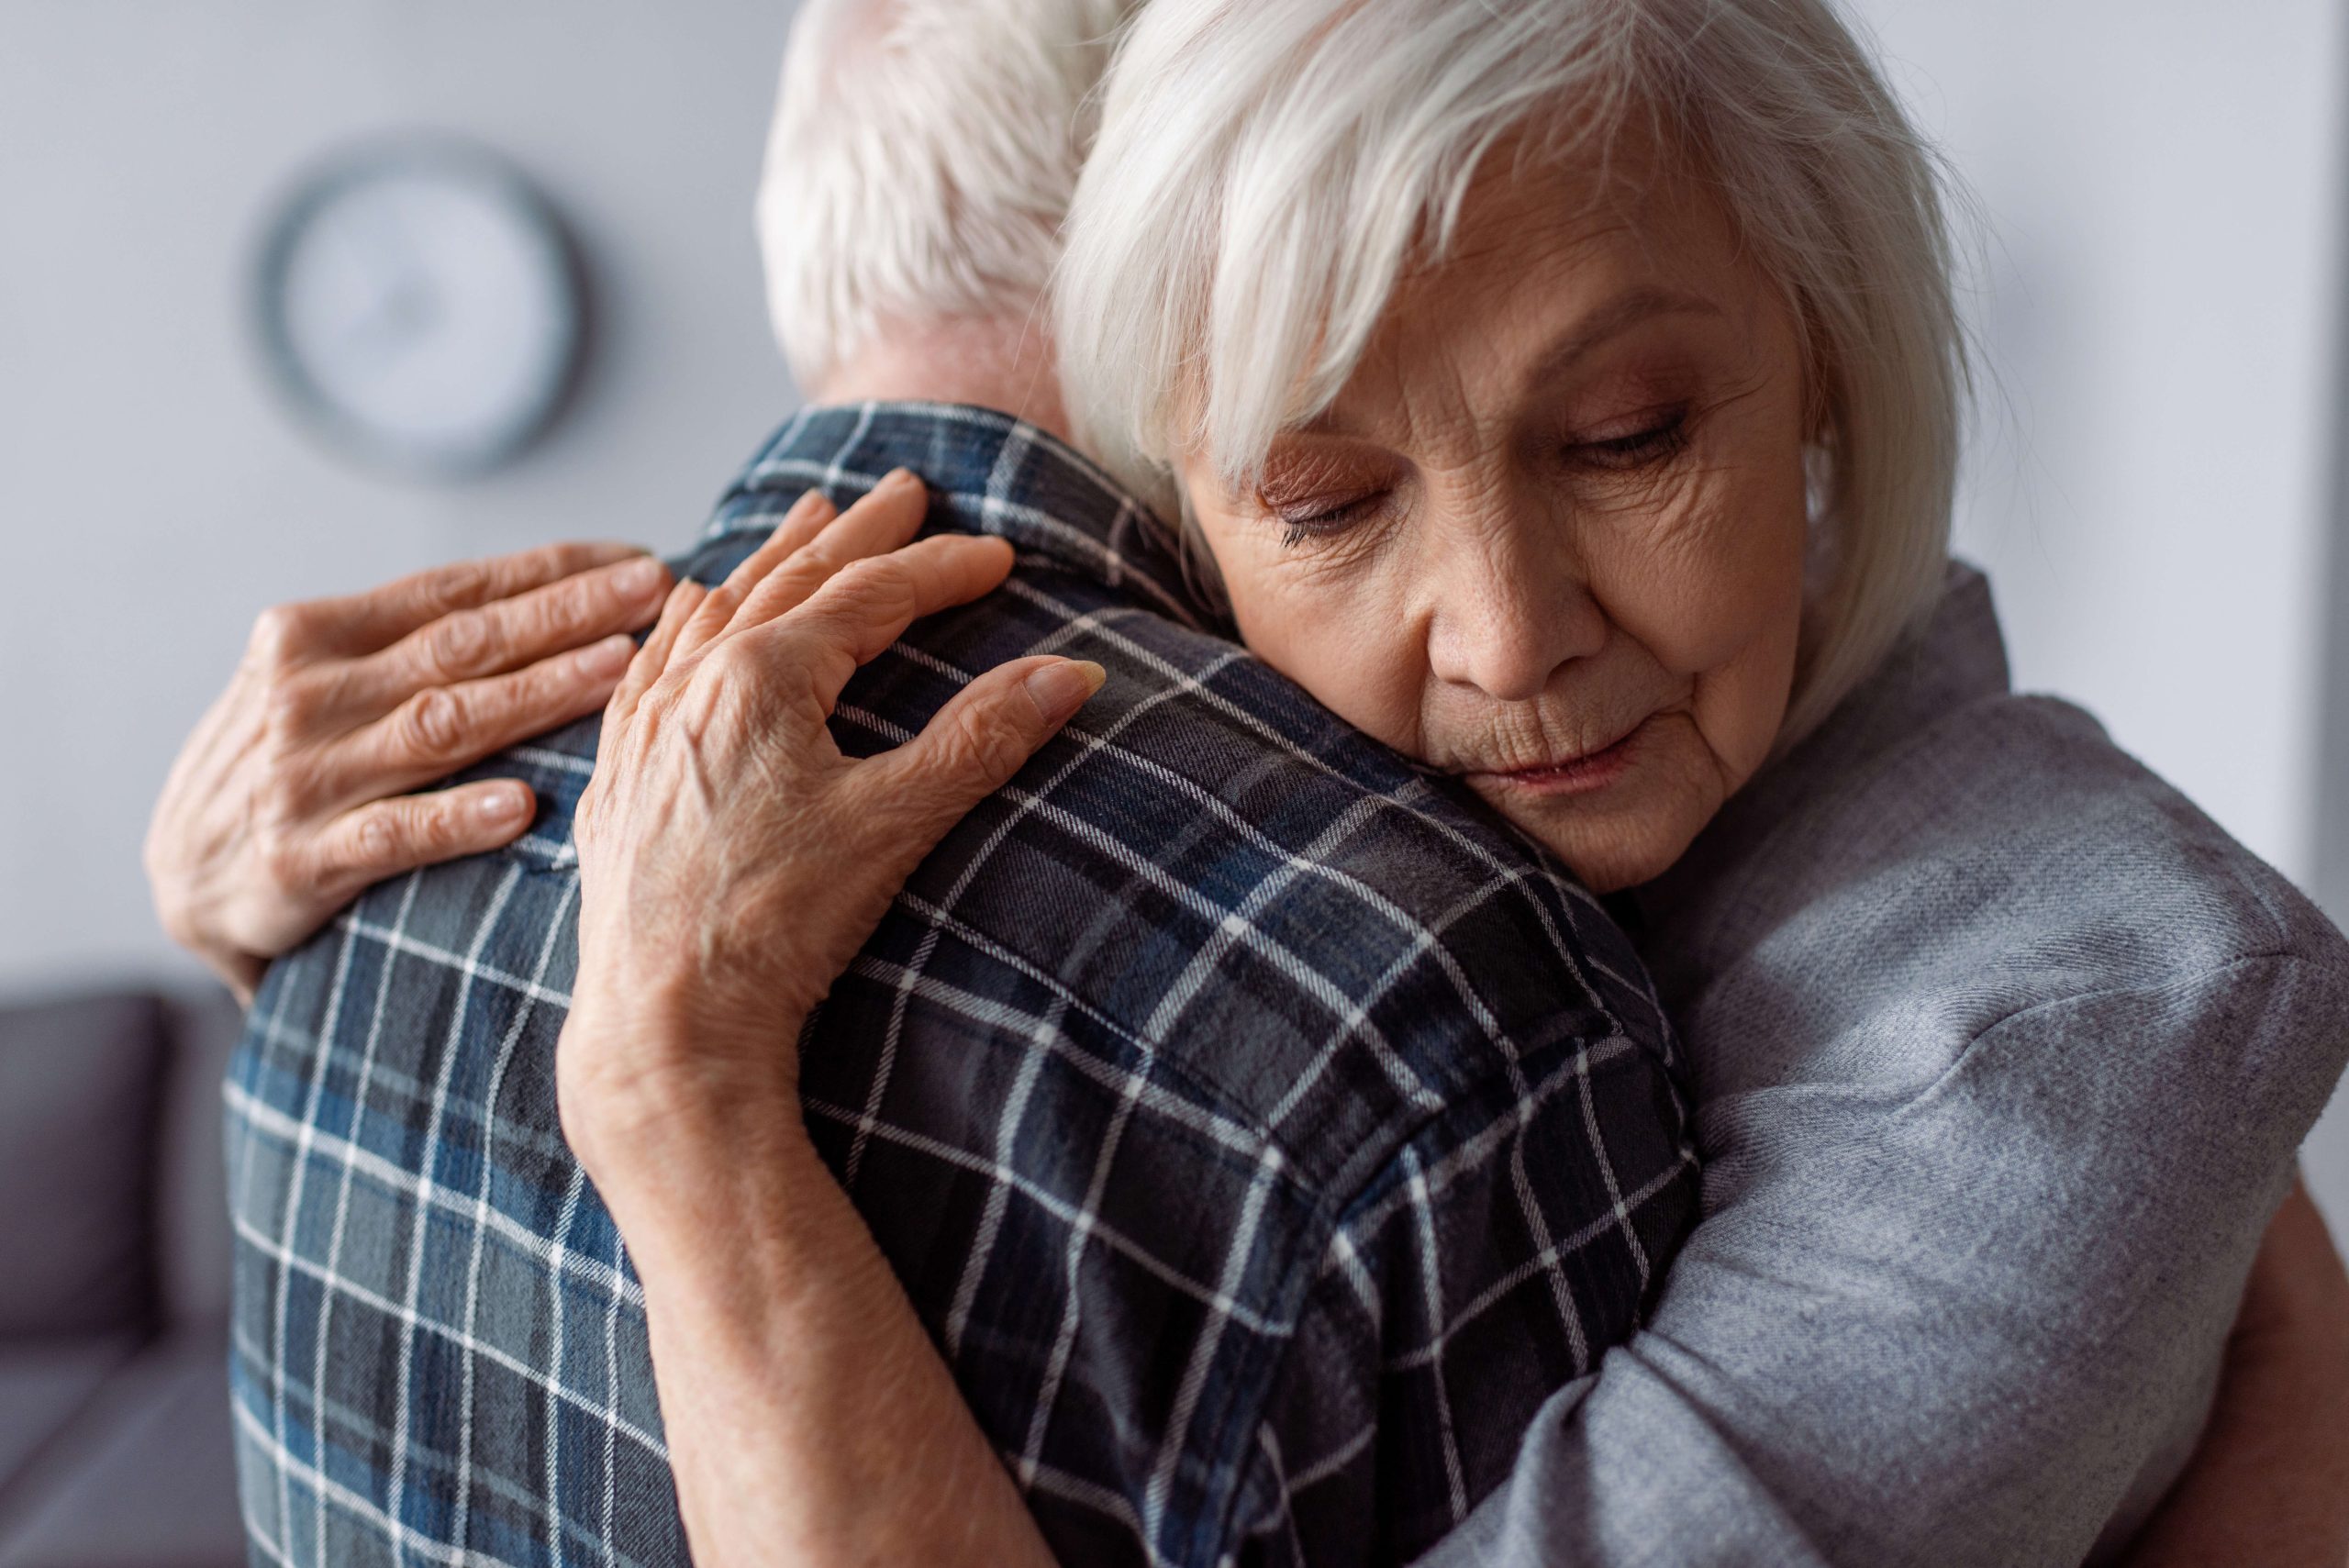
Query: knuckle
[432,723]
[566,557]
[545,562]
[467,582]
[871,589]
[290,710]
[870,578]
[375,839]
[279,794]
[280,852]
[987,746]
[464,641]
[281,634]
[729,663]
[572,602]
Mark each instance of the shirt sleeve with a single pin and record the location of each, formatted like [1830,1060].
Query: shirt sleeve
[1965,1325]
[1484,1266]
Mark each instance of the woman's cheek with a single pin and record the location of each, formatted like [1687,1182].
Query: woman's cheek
[1710,574]
[1750,597]
[1337,635]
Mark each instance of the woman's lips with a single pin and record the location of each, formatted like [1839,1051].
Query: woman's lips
[1575,775]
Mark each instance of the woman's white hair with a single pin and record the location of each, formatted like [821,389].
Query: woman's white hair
[920,164]
[1267,170]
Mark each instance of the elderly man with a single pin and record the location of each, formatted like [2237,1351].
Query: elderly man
[1238,1105]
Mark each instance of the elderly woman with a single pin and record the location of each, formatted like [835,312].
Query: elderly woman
[1565,395]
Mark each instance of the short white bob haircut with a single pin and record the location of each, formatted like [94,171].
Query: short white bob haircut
[920,164]
[1267,170]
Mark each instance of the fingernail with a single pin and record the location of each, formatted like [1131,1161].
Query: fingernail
[502,806]
[640,577]
[608,660]
[897,479]
[1059,690]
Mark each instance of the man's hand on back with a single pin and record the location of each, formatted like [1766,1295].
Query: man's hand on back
[288,798]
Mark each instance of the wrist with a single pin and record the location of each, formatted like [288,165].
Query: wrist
[736,1227]
[654,1081]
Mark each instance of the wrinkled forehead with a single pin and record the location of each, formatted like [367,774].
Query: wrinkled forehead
[1587,238]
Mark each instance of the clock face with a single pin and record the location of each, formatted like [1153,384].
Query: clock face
[422,306]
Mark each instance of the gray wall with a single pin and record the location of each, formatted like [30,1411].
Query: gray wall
[2333,796]
[151,494]
[2327,1156]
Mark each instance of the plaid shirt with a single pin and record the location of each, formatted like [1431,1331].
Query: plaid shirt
[1260,1128]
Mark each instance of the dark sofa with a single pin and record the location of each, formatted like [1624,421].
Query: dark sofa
[115,1447]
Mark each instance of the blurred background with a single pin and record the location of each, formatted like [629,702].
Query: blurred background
[2155,483]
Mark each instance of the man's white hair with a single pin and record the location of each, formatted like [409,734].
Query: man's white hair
[920,164]
[1267,170]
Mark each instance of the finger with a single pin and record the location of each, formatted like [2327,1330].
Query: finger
[442,728]
[975,745]
[868,605]
[883,520]
[362,623]
[808,517]
[653,657]
[386,837]
[505,634]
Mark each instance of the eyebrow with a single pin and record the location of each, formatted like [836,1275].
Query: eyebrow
[1612,320]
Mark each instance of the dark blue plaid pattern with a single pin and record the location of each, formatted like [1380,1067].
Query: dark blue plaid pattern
[1261,1128]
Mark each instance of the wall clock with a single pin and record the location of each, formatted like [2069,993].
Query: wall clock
[420,304]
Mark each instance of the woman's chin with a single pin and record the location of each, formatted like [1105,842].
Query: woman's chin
[1628,832]
[1607,857]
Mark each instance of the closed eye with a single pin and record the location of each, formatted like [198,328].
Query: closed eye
[1305,526]
[1657,442]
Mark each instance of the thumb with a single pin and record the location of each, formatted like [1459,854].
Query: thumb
[975,743]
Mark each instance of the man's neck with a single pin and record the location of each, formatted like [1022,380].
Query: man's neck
[1005,364]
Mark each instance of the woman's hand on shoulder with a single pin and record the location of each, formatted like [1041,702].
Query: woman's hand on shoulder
[732,860]
[291,795]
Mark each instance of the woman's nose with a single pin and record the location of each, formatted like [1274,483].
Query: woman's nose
[1508,612]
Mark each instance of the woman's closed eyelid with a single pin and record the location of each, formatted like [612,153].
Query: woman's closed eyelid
[1306,521]
[1654,437]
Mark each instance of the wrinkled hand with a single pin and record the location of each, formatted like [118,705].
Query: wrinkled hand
[732,860]
[288,799]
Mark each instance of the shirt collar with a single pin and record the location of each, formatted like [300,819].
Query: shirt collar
[989,473]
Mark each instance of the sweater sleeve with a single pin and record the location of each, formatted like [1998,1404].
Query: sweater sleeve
[1976,1323]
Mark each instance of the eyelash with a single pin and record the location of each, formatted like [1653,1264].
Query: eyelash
[1321,525]
[1657,443]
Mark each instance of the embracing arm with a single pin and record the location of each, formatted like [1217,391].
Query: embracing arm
[1961,1328]
[2270,1482]
[292,794]
[810,1419]
[731,864]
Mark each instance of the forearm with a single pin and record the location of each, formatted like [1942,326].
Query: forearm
[809,1418]
[2270,1482]
[2270,1486]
